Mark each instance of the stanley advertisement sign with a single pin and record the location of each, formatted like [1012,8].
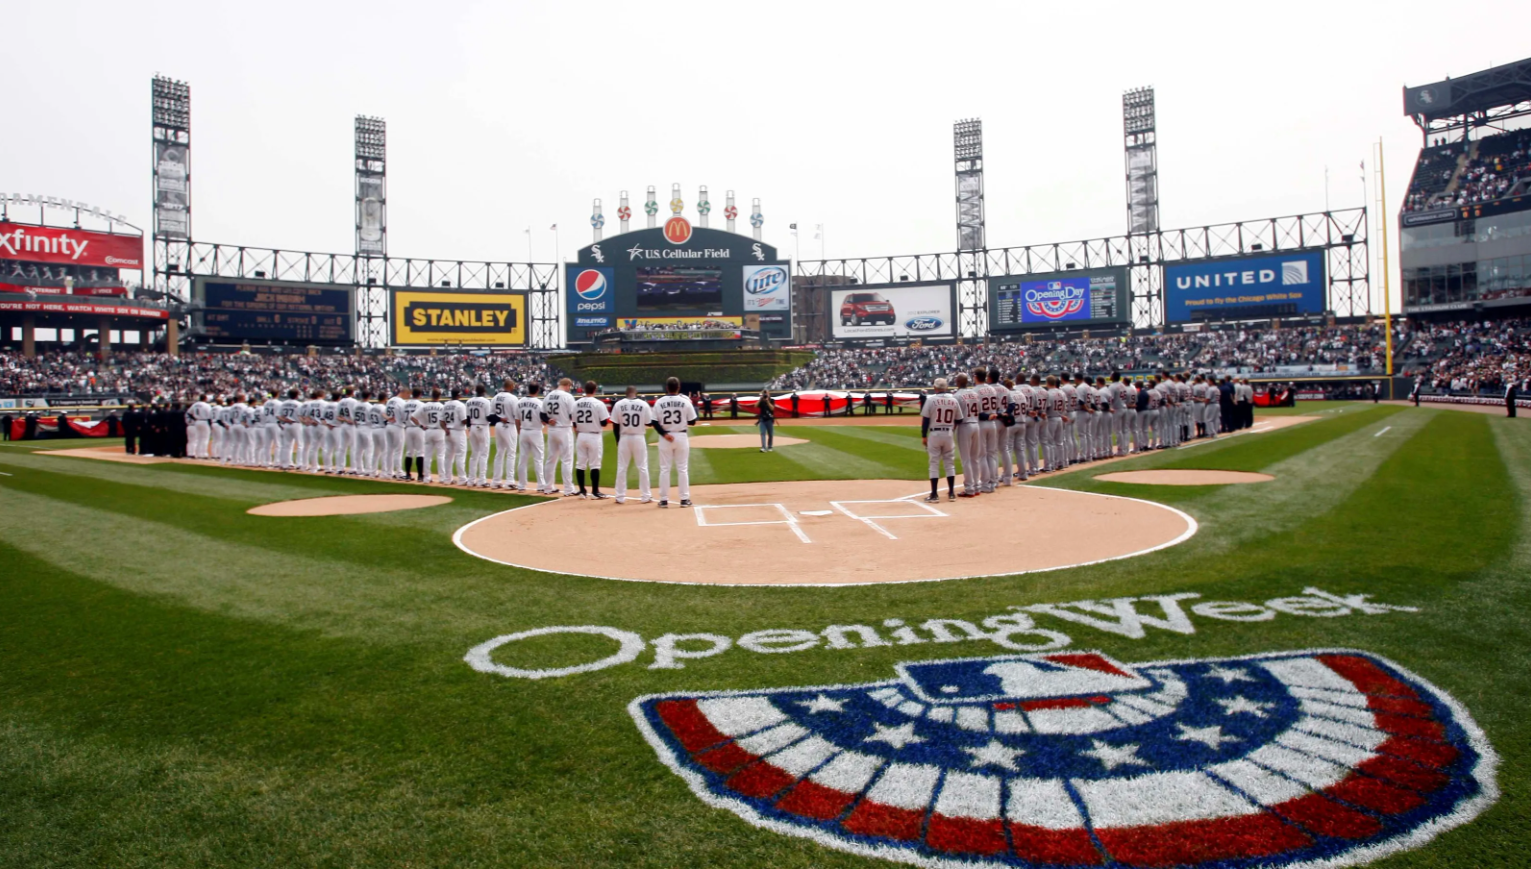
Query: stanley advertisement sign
[424,317]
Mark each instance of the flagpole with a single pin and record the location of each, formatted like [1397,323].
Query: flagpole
[529,257]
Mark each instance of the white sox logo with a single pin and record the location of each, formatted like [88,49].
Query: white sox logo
[595,253]
[1294,759]
[756,252]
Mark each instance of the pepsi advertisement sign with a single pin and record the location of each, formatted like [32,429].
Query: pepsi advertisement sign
[590,290]
[767,288]
[1246,288]
[1069,299]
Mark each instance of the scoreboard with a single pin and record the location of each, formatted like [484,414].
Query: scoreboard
[256,310]
[1070,299]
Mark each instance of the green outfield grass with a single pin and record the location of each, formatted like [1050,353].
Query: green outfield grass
[182,684]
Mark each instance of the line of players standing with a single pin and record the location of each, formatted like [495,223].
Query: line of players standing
[413,437]
[1002,431]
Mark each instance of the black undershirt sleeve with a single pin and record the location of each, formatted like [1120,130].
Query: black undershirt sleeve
[924,426]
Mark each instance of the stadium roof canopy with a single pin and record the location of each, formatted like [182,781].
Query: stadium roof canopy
[1490,95]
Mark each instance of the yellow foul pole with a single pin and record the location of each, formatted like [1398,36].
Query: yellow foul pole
[1387,288]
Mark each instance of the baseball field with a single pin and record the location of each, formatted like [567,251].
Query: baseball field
[183,683]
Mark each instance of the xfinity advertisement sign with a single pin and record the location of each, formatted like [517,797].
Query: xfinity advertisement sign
[909,311]
[1246,288]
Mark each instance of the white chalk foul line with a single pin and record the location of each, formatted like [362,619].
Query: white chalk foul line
[788,519]
[1384,431]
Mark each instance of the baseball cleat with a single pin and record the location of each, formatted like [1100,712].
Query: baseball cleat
[600,496]
[686,502]
[621,500]
[664,503]
[950,496]
[932,499]
[583,496]
[646,501]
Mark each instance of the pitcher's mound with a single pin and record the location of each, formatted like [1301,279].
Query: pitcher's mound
[1185,477]
[823,533]
[738,442]
[346,505]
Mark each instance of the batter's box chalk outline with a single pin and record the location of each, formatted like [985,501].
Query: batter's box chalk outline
[787,518]
[871,521]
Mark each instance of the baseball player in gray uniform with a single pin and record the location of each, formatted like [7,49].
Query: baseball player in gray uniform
[969,439]
[631,417]
[529,423]
[988,430]
[939,418]
[673,415]
[590,416]
[502,409]
[1009,458]
[1036,426]
[558,414]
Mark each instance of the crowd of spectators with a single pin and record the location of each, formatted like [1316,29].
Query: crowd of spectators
[1472,357]
[1459,356]
[1249,351]
[157,376]
[1497,167]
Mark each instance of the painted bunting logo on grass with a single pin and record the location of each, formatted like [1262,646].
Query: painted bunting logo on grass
[1296,759]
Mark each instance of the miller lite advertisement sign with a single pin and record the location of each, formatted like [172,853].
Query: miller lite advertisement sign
[675,270]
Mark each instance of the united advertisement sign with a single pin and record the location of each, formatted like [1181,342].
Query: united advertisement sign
[1246,287]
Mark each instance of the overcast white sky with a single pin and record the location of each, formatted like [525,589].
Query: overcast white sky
[508,115]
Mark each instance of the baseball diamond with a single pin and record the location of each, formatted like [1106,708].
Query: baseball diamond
[812,542]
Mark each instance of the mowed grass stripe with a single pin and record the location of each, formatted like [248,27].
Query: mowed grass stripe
[254,487]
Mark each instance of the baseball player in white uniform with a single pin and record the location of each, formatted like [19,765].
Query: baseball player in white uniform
[288,429]
[219,428]
[969,439]
[631,418]
[529,424]
[393,436]
[939,418]
[332,448]
[200,432]
[454,418]
[590,416]
[430,416]
[270,431]
[479,410]
[238,434]
[377,430]
[502,410]
[345,433]
[673,416]
[558,414]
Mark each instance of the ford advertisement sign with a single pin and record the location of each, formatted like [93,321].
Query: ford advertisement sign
[767,288]
[1282,285]
[892,311]
[590,290]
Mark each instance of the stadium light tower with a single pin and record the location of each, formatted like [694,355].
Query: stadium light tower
[967,143]
[170,125]
[1140,141]
[371,231]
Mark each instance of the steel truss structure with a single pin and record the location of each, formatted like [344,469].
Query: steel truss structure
[170,123]
[371,229]
[380,274]
[1454,109]
[972,291]
[1342,234]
